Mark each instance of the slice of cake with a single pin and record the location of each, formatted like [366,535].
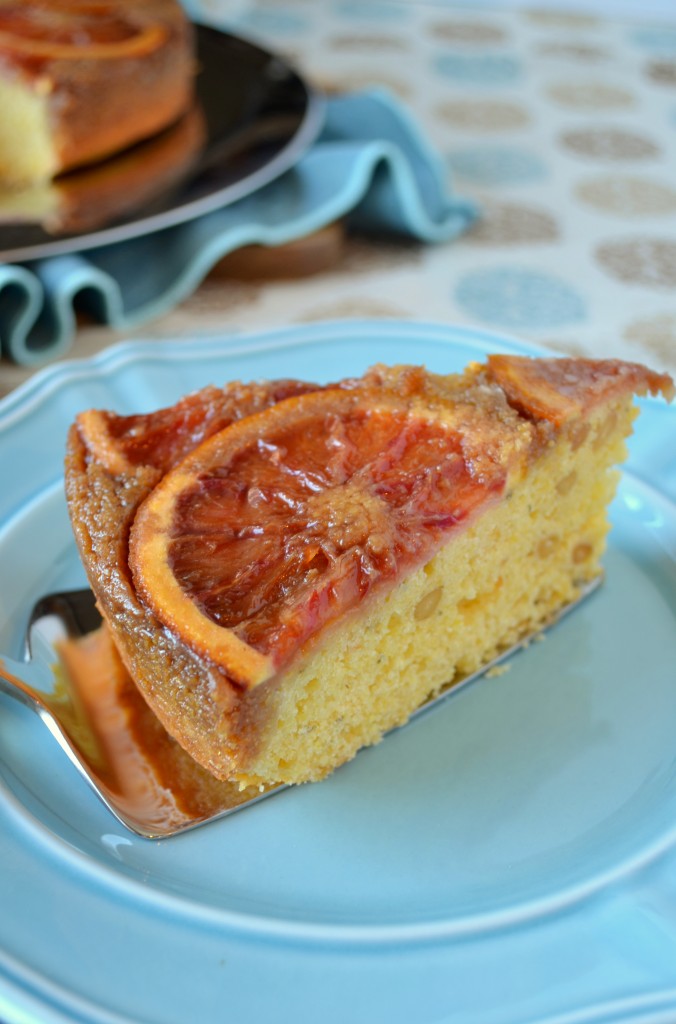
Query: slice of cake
[81,80]
[289,572]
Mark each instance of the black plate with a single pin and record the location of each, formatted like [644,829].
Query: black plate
[256,118]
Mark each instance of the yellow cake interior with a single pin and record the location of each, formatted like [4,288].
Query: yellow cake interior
[492,584]
[25,117]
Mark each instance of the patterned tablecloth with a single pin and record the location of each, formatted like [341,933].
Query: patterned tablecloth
[561,125]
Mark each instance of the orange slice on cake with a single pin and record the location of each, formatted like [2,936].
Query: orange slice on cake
[288,520]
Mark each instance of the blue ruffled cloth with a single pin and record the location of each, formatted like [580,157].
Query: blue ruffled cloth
[369,164]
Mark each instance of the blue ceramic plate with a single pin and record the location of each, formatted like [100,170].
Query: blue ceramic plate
[506,858]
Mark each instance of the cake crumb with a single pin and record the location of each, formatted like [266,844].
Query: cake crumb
[497,670]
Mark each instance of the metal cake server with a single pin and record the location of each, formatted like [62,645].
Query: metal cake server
[155,811]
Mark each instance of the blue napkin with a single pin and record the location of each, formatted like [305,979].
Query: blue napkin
[369,164]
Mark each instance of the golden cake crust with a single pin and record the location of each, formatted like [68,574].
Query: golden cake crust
[505,415]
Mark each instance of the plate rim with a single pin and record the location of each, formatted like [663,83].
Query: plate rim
[48,378]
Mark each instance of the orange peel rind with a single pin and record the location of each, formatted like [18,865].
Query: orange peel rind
[149,555]
[144,41]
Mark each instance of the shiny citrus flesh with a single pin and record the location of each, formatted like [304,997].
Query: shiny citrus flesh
[162,438]
[287,520]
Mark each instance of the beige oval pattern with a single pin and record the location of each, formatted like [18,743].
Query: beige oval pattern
[355,306]
[483,115]
[215,298]
[592,96]
[561,18]
[627,197]
[583,53]
[565,346]
[371,43]
[650,262]
[512,224]
[355,80]
[663,72]
[362,255]
[655,334]
[476,33]
[609,144]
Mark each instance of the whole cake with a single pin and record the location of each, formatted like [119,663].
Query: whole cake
[83,79]
[289,571]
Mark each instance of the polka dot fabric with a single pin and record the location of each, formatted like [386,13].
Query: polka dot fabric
[561,125]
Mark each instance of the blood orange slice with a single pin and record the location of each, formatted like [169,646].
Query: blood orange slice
[287,520]
[123,444]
